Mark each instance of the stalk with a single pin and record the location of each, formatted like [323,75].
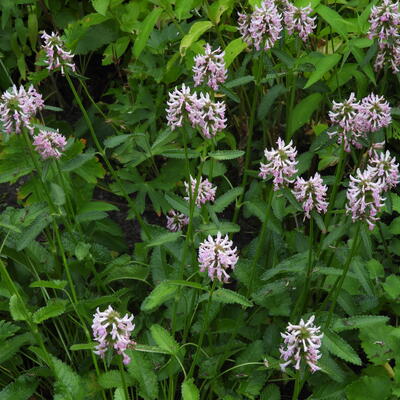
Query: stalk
[122,373]
[297,386]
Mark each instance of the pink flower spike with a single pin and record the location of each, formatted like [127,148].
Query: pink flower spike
[298,19]
[385,168]
[210,68]
[205,191]
[281,164]
[216,256]
[112,331]
[176,221]
[49,144]
[56,55]
[312,194]
[301,342]
[374,113]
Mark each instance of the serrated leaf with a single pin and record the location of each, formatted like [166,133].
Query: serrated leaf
[141,369]
[340,348]
[112,379]
[164,339]
[158,296]
[227,198]
[293,264]
[226,154]
[234,48]
[196,30]
[54,308]
[145,30]
[30,234]
[358,322]
[7,329]
[21,389]
[17,309]
[228,296]
[369,387]
[11,346]
[189,390]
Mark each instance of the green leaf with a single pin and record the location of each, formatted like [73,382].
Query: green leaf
[392,286]
[340,348]
[234,48]
[97,206]
[182,8]
[54,308]
[189,390]
[30,234]
[145,30]
[57,194]
[17,309]
[164,339]
[119,394]
[268,100]
[217,8]
[322,66]
[161,293]
[303,111]
[112,379]
[56,284]
[101,6]
[82,250]
[369,387]
[196,30]
[115,141]
[293,264]
[150,349]
[135,272]
[83,346]
[76,162]
[333,18]
[164,238]
[227,296]
[243,80]
[11,346]
[69,384]
[226,154]
[21,389]
[142,370]
[227,198]
[222,227]
[7,329]
[358,322]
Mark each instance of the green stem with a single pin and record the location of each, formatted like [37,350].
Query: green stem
[104,157]
[203,330]
[340,280]
[297,386]
[261,242]
[122,372]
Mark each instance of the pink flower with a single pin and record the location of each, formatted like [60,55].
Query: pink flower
[374,113]
[49,144]
[17,107]
[384,20]
[312,194]
[205,191]
[216,256]
[179,104]
[176,221]
[210,67]
[112,331]
[385,168]
[301,342]
[263,27]
[364,196]
[56,55]
[281,164]
[389,54]
[298,19]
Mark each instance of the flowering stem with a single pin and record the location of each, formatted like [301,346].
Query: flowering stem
[297,386]
[340,280]
[106,160]
[203,329]
[122,372]
[261,242]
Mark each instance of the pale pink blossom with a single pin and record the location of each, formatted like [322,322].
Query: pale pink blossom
[301,342]
[17,107]
[176,221]
[49,144]
[180,103]
[216,255]
[201,192]
[312,194]
[281,164]
[56,55]
[112,331]
[373,113]
[385,21]
[364,196]
[262,28]
[297,19]
[385,168]
[210,68]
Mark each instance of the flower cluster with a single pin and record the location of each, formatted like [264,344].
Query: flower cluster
[49,144]
[262,28]
[281,163]
[56,55]
[201,111]
[356,118]
[176,221]
[205,191]
[110,330]
[17,107]
[216,256]
[385,168]
[210,67]
[311,193]
[301,341]
[385,24]
[298,19]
